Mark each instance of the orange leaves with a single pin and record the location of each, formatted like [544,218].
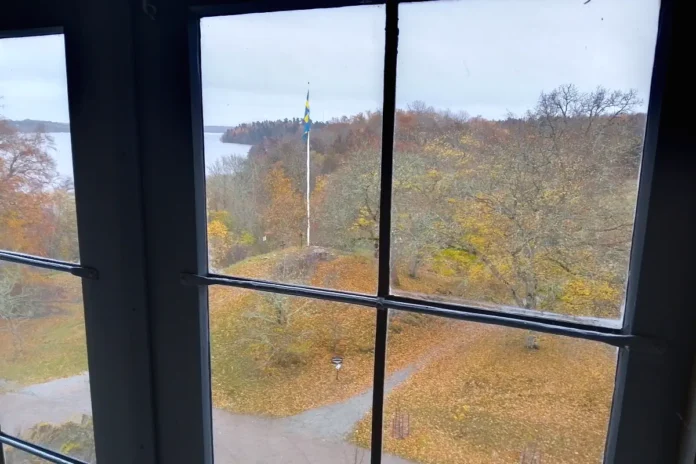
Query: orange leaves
[481,397]
[37,216]
[285,212]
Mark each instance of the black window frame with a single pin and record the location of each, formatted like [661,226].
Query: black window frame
[137,65]
[107,181]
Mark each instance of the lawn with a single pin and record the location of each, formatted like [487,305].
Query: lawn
[52,346]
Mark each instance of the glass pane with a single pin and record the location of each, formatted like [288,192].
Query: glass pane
[260,72]
[37,202]
[44,384]
[517,160]
[485,394]
[74,438]
[291,378]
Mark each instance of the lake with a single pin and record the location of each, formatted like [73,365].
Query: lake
[214,150]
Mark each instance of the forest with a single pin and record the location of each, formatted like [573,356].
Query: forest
[533,212]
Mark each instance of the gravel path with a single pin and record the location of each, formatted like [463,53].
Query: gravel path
[56,401]
[336,421]
[313,437]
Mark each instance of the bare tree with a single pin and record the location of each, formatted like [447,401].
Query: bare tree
[545,201]
[16,303]
[272,334]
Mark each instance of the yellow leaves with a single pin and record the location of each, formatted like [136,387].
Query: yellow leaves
[582,294]
[217,229]
[469,141]
[439,147]
[219,242]
[461,412]
[450,261]
[365,221]
[247,239]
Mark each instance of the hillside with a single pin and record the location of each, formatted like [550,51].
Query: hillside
[32,125]
[470,390]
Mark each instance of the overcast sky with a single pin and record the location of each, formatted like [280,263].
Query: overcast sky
[485,57]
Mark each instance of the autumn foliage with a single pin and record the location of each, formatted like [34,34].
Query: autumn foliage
[532,212]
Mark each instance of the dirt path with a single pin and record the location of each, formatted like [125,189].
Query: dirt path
[313,437]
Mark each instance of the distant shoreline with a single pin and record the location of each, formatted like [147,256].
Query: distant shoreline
[35,125]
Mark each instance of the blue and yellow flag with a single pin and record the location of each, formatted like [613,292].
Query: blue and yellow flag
[307,121]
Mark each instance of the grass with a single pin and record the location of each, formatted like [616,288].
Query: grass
[53,346]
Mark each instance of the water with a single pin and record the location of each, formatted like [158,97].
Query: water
[214,150]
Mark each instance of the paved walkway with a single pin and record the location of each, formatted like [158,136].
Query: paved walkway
[316,436]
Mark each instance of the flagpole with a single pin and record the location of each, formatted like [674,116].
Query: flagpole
[308,165]
[308,219]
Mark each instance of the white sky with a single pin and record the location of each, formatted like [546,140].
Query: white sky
[484,57]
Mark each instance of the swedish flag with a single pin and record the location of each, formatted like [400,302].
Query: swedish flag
[307,121]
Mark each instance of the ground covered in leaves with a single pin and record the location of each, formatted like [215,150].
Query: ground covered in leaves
[262,366]
[487,398]
[475,393]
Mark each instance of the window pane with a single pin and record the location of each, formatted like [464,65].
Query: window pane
[37,202]
[291,376]
[486,394]
[44,385]
[255,71]
[74,438]
[517,158]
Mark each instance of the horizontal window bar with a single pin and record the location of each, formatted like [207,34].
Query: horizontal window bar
[617,339]
[36,450]
[15,34]
[275,287]
[207,8]
[610,336]
[580,322]
[47,263]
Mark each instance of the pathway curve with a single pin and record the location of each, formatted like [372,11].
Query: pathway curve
[316,436]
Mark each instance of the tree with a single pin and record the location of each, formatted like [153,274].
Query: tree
[545,214]
[16,304]
[27,172]
[285,214]
[274,338]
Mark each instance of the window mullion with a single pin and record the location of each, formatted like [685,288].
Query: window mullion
[651,392]
[385,205]
[99,60]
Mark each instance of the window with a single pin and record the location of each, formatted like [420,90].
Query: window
[293,375]
[38,213]
[44,381]
[260,166]
[460,391]
[311,231]
[516,160]
[512,185]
